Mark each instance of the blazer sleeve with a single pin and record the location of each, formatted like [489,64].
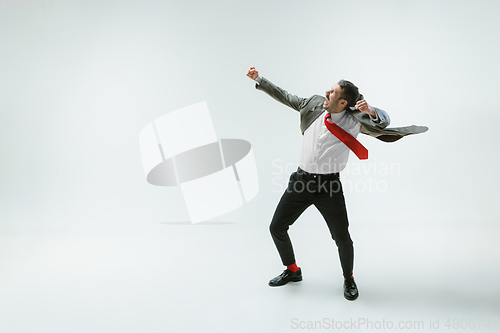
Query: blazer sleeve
[384,119]
[281,95]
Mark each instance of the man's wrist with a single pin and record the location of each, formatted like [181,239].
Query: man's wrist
[258,79]
[374,117]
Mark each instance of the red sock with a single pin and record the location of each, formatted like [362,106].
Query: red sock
[293,267]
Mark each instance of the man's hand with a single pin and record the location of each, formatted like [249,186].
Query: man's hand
[363,106]
[252,73]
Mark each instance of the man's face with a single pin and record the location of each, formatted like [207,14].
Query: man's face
[333,102]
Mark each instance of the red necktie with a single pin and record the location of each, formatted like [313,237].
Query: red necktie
[350,141]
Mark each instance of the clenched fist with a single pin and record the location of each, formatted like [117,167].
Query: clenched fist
[252,73]
[363,106]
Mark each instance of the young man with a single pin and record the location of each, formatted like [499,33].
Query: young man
[323,156]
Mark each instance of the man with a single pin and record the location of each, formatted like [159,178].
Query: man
[323,156]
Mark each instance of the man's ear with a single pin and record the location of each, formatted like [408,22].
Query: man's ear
[343,103]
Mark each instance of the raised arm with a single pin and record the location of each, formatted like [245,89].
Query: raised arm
[378,117]
[276,92]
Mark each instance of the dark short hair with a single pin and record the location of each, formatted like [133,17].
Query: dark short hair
[349,92]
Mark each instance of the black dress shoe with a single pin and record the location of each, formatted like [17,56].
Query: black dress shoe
[350,290]
[286,277]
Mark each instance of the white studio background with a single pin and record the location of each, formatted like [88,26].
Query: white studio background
[80,79]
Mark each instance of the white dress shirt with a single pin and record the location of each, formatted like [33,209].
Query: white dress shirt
[322,152]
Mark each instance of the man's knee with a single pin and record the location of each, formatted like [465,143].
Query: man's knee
[276,228]
[272,227]
[343,240]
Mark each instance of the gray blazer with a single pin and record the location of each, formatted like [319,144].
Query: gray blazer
[312,107]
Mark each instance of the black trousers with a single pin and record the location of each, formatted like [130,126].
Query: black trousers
[324,192]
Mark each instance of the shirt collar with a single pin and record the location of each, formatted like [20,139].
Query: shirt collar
[335,116]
